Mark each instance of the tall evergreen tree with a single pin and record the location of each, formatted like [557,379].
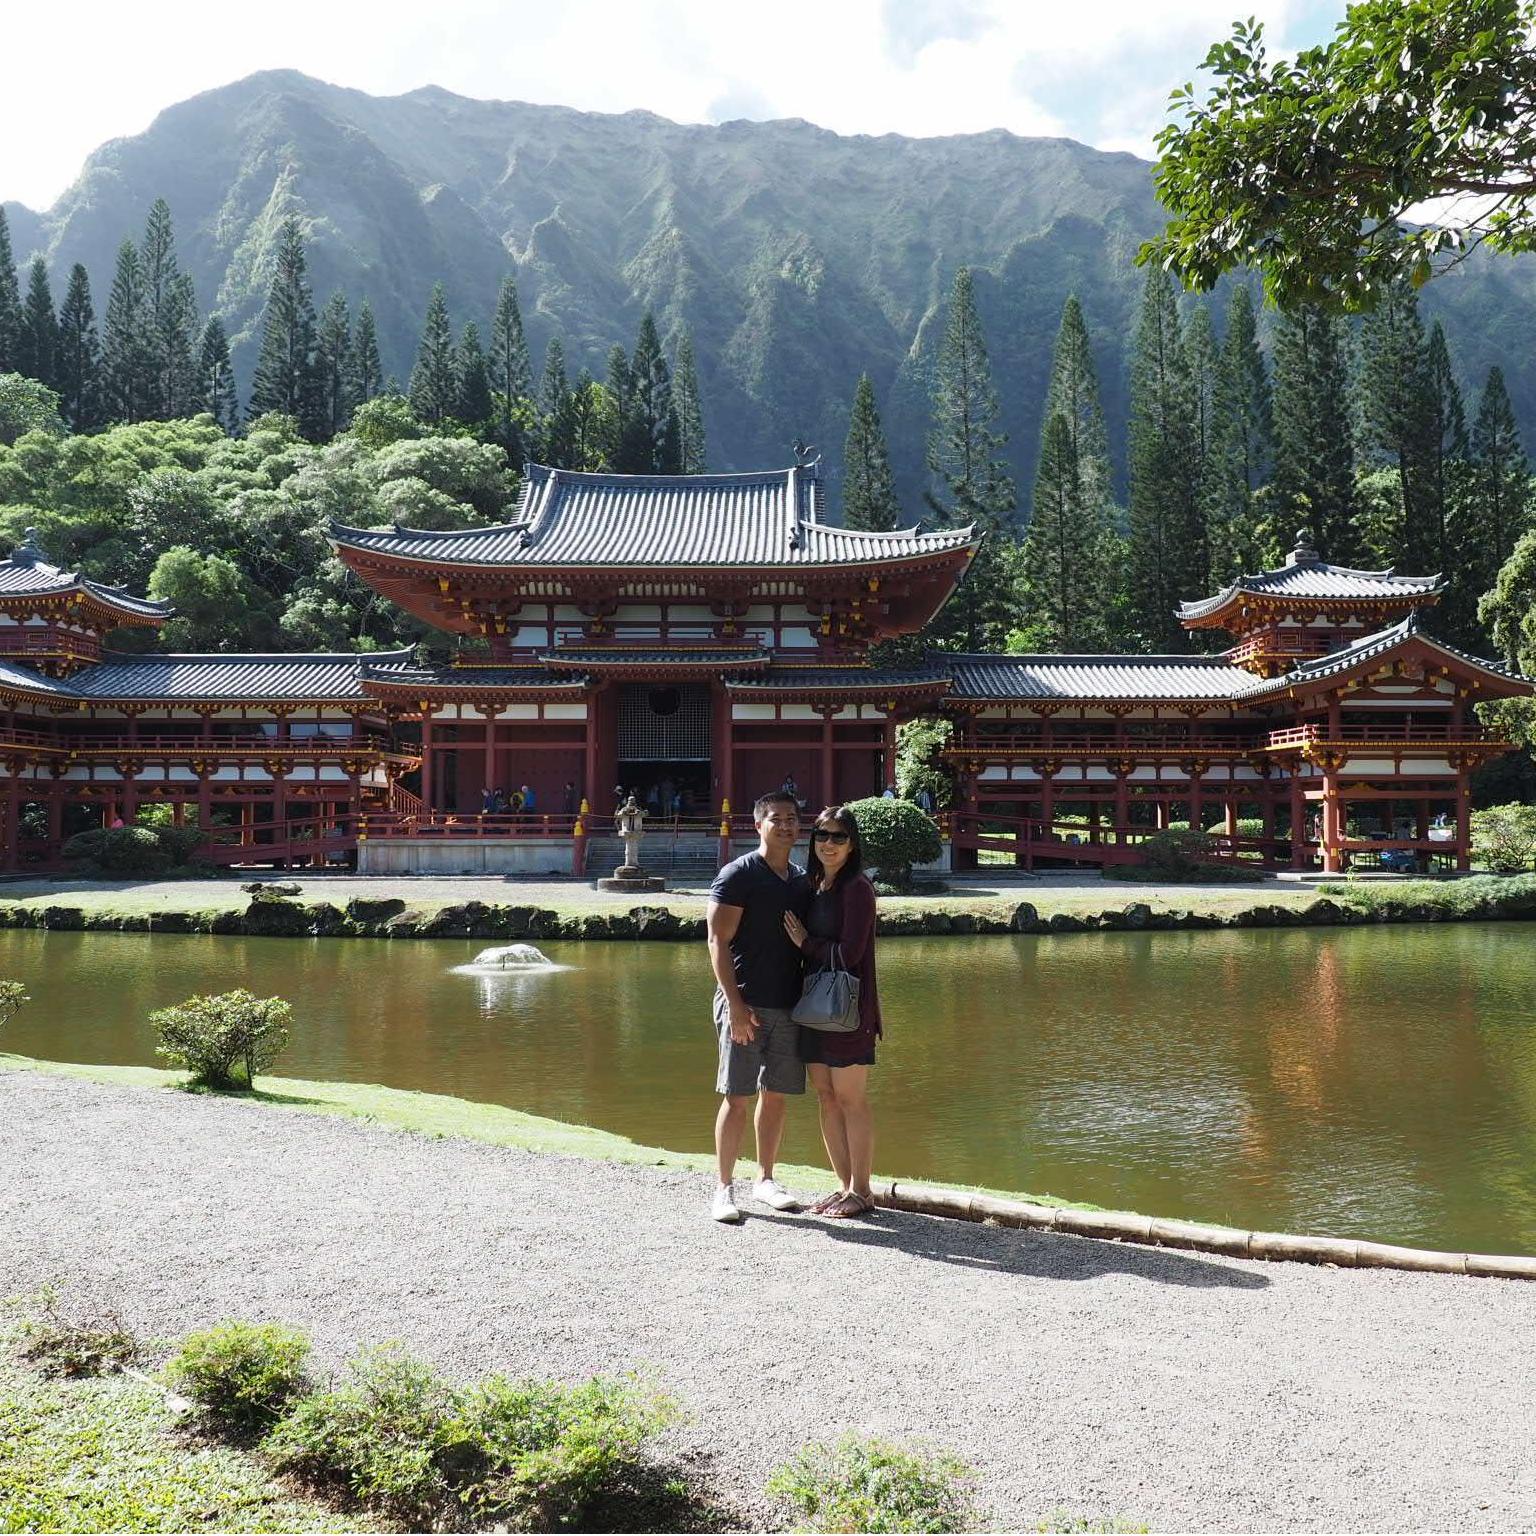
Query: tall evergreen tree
[333,366]
[1447,471]
[973,484]
[286,377]
[10,301]
[1073,393]
[215,378]
[79,358]
[434,388]
[37,354]
[1314,452]
[475,406]
[366,380]
[628,448]
[1240,456]
[869,488]
[656,429]
[1496,512]
[1165,550]
[693,458]
[588,402]
[1204,368]
[557,424]
[127,356]
[170,316]
[1397,426]
[510,370]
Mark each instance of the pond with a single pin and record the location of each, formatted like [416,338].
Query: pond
[1375,1082]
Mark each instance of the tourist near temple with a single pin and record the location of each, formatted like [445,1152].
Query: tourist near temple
[701,639]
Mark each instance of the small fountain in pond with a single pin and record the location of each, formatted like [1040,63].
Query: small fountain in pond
[511,957]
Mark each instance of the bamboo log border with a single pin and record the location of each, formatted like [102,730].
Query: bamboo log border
[1198,1237]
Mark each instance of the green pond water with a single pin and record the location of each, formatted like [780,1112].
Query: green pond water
[1362,1082]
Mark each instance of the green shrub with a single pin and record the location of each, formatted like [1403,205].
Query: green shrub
[12,995]
[120,850]
[858,1484]
[1504,837]
[210,1035]
[75,1346]
[529,1455]
[242,1374]
[919,765]
[382,1435]
[895,835]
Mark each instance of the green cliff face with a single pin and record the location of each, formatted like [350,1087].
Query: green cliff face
[797,257]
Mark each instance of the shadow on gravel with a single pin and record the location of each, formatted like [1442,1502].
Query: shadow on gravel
[1050,1255]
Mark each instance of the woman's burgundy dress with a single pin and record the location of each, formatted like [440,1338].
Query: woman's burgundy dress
[844,916]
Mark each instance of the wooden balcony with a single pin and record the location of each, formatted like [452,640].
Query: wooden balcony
[1391,734]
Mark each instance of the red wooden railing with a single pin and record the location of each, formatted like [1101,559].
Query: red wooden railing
[1028,839]
[1431,734]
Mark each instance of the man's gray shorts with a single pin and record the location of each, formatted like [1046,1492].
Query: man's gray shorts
[772,1062]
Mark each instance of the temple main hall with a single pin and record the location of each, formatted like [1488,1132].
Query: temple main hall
[699,639]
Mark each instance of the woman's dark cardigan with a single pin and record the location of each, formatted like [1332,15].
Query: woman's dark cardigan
[856,930]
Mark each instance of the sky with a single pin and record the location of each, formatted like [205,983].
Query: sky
[1094,70]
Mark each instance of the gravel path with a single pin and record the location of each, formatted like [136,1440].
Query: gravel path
[1181,1392]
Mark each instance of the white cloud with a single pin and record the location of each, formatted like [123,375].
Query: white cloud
[1099,71]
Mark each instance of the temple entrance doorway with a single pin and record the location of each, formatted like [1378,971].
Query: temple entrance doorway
[664,747]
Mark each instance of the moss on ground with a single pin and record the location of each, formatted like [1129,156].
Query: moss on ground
[107,1454]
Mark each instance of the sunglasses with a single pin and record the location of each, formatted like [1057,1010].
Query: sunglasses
[826,835]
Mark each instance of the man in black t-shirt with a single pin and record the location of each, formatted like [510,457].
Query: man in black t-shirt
[757,976]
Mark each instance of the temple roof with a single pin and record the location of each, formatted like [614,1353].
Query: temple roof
[620,657]
[314,677]
[789,679]
[401,670]
[24,573]
[565,518]
[1307,578]
[1097,677]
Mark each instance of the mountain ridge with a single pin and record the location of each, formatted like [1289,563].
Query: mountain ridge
[797,256]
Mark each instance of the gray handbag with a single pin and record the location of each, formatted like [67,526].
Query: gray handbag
[829,998]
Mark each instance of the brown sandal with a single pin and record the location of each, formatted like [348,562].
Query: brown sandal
[826,1202]
[849,1206]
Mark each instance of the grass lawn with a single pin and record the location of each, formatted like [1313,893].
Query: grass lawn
[107,1454]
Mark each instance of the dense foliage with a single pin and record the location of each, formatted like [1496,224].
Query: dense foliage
[213,1036]
[1306,167]
[895,835]
[242,1375]
[860,1484]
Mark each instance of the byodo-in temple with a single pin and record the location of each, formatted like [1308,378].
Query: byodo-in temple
[701,639]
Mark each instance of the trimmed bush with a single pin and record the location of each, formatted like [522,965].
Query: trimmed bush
[120,850]
[895,835]
[210,1036]
[1504,837]
[857,1484]
[242,1375]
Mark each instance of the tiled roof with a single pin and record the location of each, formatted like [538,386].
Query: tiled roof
[564,518]
[1096,677]
[26,574]
[1368,647]
[412,674]
[721,658]
[16,675]
[784,679]
[300,677]
[1316,580]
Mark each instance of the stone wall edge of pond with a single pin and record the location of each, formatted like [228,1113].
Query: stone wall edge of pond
[1482,899]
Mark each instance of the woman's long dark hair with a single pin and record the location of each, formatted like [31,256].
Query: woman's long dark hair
[840,818]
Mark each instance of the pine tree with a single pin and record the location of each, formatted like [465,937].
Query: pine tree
[1314,453]
[434,388]
[127,356]
[333,366]
[1497,509]
[1204,367]
[1073,393]
[511,373]
[974,487]
[170,316]
[286,378]
[628,447]
[79,358]
[1239,458]
[1165,537]
[557,425]
[215,378]
[656,428]
[1397,427]
[588,441]
[1447,470]
[869,488]
[10,301]
[692,456]
[366,380]
[37,354]
[475,406]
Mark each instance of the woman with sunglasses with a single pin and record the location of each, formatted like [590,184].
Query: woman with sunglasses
[841,923]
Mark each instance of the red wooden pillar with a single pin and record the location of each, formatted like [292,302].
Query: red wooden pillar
[427,764]
[1463,822]
[590,792]
[1122,804]
[204,799]
[1229,816]
[1300,856]
[828,760]
[1332,829]
[1196,803]
[130,799]
[726,767]
[888,752]
[490,745]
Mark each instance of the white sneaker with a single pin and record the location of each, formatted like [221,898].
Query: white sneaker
[771,1193]
[724,1208]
